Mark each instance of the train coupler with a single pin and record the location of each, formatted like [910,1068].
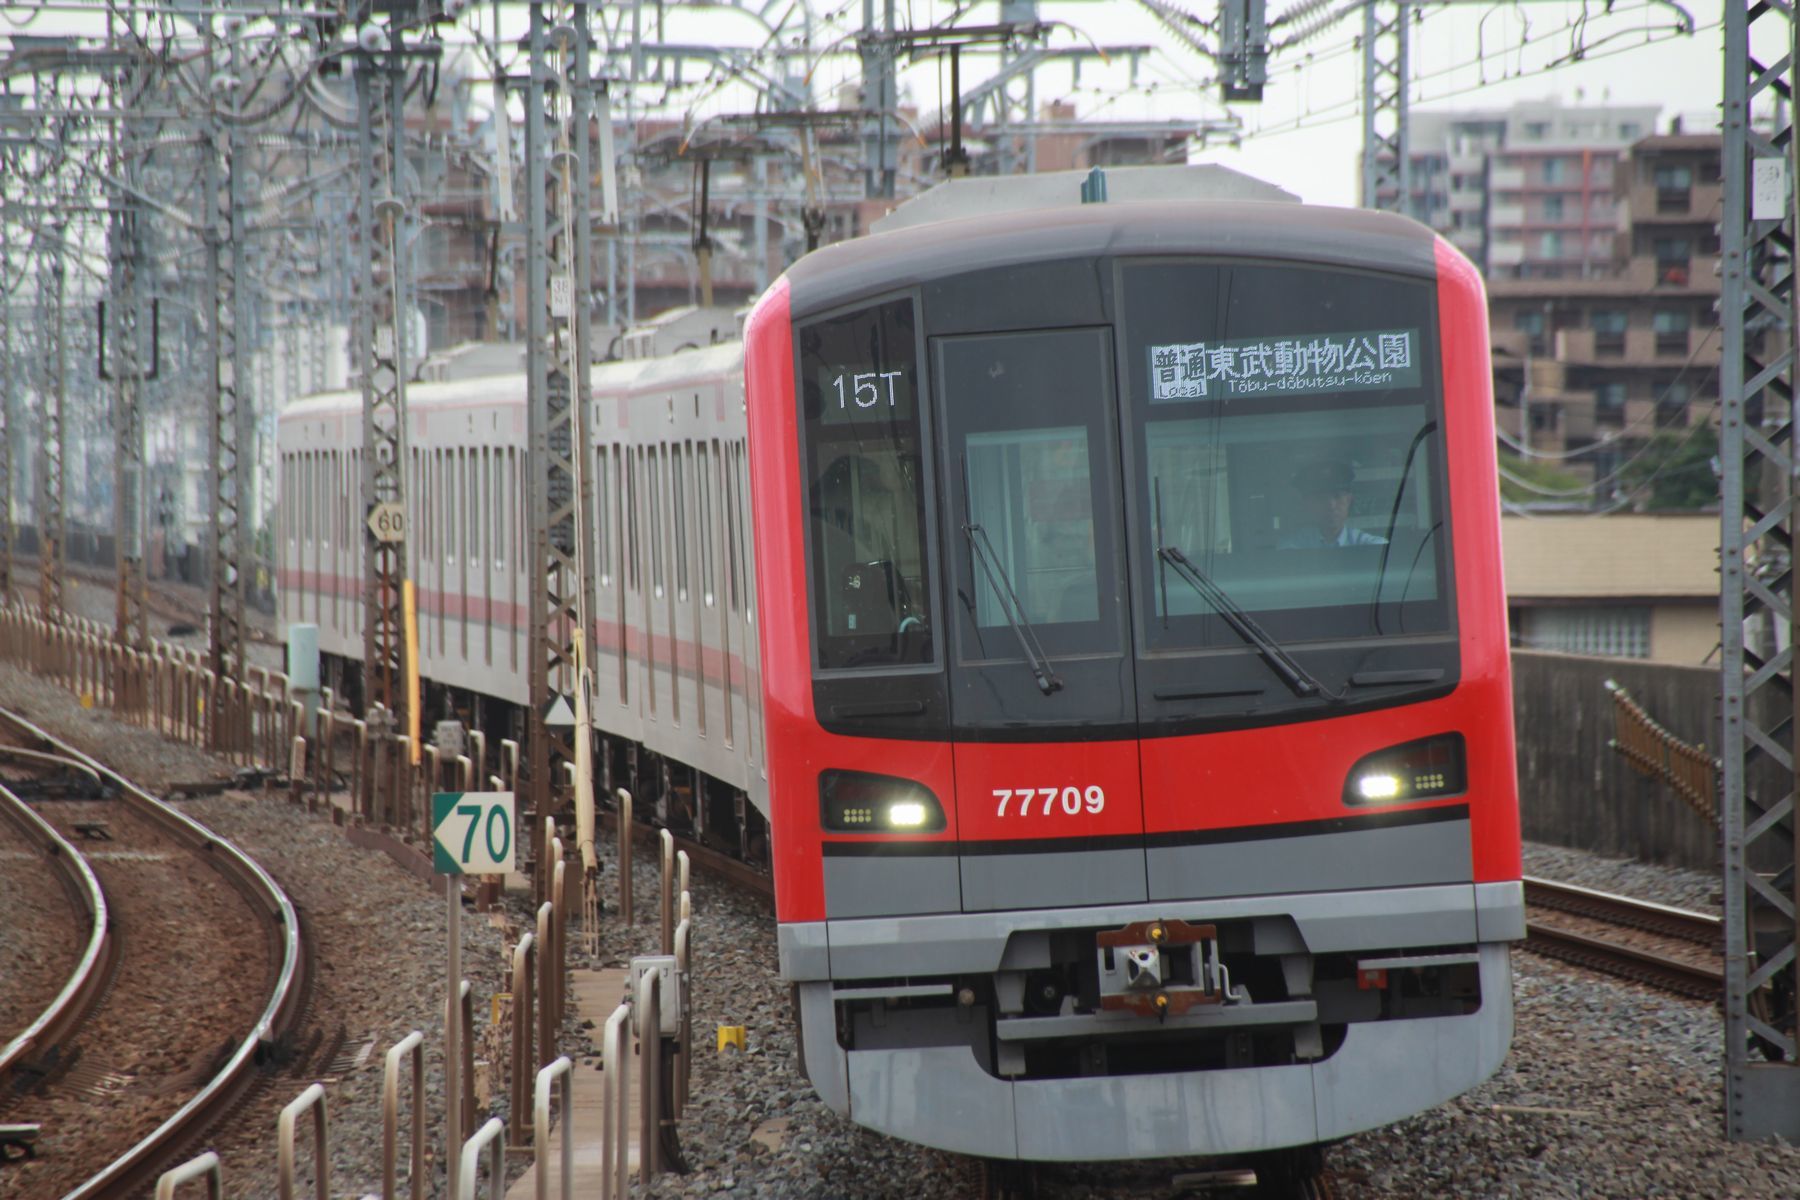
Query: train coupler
[1162,969]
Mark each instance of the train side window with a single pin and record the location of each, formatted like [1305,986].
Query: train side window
[471,505]
[740,565]
[427,515]
[522,510]
[487,505]
[704,486]
[656,522]
[599,511]
[618,513]
[328,522]
[502,501]
[679,524]
[495,510]
[311,495]
[452,539]
[437,507]
[728,491]
[634,464]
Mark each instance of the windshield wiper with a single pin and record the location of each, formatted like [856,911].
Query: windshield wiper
[1297,677]
[1047,679]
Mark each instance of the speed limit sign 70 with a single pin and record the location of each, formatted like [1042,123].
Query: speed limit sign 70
[472,833]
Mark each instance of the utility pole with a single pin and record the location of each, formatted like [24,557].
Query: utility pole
[381,350]
[1759,483]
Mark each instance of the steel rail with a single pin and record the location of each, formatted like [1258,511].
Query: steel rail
[132,1172]
[1700,928]
[734,871]
[50,760]
[87,981]
[1670,974]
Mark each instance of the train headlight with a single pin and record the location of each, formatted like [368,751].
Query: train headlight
[1377,786]
[1427,769]
[860,802]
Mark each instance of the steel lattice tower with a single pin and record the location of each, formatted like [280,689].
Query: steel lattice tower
[1760,471]
[1386,70]
[381,350]
[558,251]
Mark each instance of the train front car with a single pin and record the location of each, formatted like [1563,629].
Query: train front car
[1139,719]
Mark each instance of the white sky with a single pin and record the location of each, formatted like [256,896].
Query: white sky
[1306,134]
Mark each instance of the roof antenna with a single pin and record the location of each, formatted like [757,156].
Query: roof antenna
[1093,188]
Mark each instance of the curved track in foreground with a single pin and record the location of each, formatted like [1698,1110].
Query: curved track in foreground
[87,979]
[1634,956]
[215,1091]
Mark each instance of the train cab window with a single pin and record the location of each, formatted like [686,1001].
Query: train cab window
[866,489]
[1283,425]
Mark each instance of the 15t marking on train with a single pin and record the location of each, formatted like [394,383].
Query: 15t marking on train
[1042,801]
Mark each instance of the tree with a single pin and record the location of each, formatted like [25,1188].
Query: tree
[1674,470]
[1533,481]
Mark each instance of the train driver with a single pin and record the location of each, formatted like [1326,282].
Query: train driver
[1326,490]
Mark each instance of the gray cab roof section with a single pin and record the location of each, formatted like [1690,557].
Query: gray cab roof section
[886,262]
[991,195]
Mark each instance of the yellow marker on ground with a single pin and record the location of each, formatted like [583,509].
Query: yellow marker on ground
[731,1037]
[87,699]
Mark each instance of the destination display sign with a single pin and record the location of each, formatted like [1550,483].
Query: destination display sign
[1273,366]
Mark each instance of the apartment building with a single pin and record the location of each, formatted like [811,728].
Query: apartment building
[1604,362]
[1527,191]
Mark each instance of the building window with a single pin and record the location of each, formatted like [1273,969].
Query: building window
[1553,208]
[1630,131]
[1553,170]
[1671,327]
[1609,403]
[1550,245]
[1530,322]
[1614,631]
[1672,404]
[1609,331]
[1674,188]
[1537,131]
[1672,255]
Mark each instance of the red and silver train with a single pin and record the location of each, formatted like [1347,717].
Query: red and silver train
[1113,640]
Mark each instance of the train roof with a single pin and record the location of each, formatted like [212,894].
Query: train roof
[686,366]
[990,195]
[884,262]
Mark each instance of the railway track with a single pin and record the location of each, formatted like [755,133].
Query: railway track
[1646,959]
[154,1038]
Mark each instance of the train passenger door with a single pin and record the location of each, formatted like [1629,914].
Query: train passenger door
[1043,704]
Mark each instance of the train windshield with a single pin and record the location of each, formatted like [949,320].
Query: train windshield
[1284,426]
